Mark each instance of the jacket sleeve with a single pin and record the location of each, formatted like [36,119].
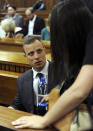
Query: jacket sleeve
[21,22]
[24,30]
[40,24]
[17,103]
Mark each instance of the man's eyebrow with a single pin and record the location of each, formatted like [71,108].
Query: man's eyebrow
[30,52]
[40,49]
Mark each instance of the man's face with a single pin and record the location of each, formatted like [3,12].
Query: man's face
[29,15]
[40,1]
[35,54]
[11,11]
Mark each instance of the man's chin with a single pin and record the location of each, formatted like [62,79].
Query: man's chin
[39,68]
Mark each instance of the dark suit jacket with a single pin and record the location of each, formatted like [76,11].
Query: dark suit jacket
[24,99]
[38,26]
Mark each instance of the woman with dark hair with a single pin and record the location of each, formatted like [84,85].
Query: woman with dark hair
[72,52]
[89,4]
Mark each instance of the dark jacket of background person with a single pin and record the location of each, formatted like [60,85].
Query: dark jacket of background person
[38,26]
[40,5]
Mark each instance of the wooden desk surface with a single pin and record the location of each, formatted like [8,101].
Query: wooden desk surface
[16,57]
[8,115]
[12,44]
[8,86]
[13,57]
[12,41]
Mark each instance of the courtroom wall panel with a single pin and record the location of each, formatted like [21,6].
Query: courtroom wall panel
[8,86]
[28,3]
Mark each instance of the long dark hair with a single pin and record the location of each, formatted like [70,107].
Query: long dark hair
[70,25]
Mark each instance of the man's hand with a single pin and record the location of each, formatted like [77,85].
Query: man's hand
[10,107]
[35,122]
[45,99]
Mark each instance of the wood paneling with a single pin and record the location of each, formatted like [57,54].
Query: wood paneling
[29,3]
[16,45]
[13,62]
[8,86]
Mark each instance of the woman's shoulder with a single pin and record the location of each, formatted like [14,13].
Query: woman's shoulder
[44,29]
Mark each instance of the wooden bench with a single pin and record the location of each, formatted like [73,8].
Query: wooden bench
[46,44]
[8,86]
[15,61]
[9,115]
[43,14]
[12,44]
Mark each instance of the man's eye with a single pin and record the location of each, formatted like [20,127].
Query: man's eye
[30,53]
[39,51]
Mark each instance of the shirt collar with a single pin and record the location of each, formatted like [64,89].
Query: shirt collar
[13,16]
[34,18]
[44,71]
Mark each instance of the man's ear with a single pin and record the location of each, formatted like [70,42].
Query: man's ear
[25,55]
[44,49]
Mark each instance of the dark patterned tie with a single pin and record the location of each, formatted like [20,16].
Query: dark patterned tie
[40,109]
[40,75]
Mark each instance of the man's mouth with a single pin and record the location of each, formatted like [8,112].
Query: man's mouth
[38,62]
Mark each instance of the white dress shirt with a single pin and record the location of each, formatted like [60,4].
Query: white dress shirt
[2,33]
[36,79]
[31,26]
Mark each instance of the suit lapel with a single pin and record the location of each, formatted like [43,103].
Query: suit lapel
[50,84]
[30,93]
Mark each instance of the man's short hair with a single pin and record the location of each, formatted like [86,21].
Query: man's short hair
[28,40]
[13,6]
[31,10]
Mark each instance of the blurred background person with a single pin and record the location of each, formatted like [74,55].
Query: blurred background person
[9,27]
[10,30]
[2,32]
[12,15]
[34,23]
[45,32]
[39,5]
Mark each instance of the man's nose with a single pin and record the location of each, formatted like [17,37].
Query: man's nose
[36,55]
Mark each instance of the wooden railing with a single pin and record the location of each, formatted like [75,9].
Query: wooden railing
[13,44]
[8,86]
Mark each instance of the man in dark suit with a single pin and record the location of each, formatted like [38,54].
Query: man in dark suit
[15,18]
[26,98]
[34,24]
